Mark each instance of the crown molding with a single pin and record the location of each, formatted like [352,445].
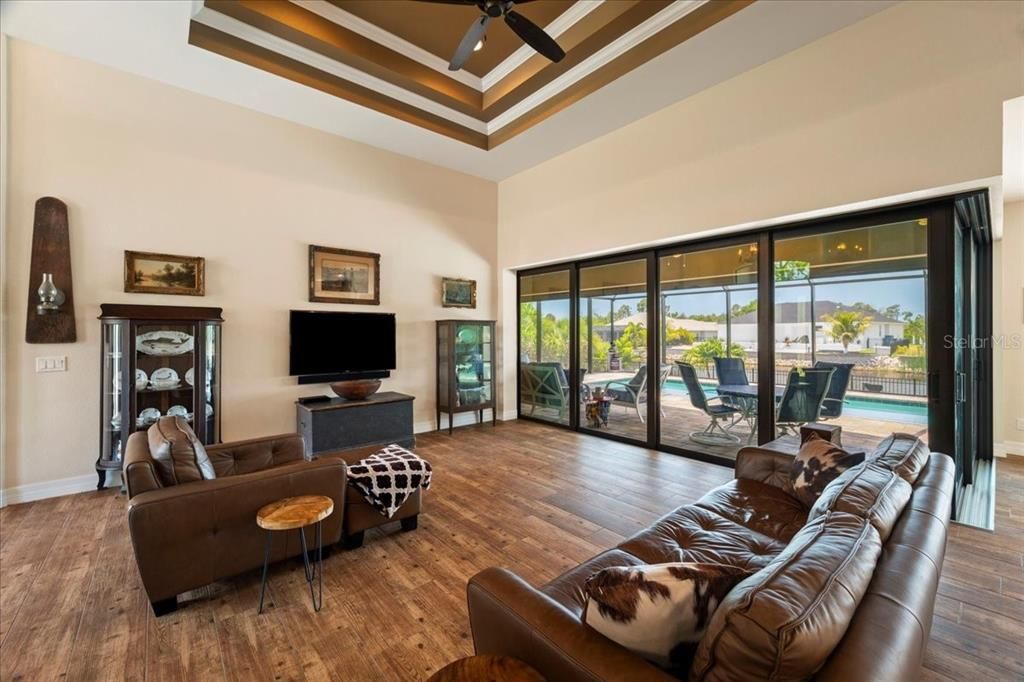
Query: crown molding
[255,36]
[616,48]
[560,25]
[387,39]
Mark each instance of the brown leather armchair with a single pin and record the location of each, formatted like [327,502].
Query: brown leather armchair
[186,535]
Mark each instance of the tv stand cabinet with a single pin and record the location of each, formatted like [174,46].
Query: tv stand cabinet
[339,424]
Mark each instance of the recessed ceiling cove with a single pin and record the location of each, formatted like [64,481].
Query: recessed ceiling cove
[393,56]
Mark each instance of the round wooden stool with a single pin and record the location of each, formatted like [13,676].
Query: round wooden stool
[296,513]
[486,669]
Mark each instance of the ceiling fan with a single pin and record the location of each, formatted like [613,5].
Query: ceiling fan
[531,34]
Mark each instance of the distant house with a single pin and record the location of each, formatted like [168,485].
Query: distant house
[700,329]
[793,323]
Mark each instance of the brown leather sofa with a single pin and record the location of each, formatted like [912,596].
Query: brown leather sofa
[843,591]
[188,531]
[359,516]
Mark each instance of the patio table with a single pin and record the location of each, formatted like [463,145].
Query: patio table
[745,398]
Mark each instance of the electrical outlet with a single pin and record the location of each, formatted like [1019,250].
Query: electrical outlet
[1020,423]
[55,363]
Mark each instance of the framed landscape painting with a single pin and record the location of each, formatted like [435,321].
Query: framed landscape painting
[162,273]
[342,276]
[458,293]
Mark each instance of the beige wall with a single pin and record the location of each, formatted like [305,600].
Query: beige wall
[906,100]
[1009,315]
[149,167]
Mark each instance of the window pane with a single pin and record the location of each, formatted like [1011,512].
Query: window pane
[544,346]
[852,302]
[708,300]
[613,348]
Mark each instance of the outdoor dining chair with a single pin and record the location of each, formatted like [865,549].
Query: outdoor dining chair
[714,433]
[801,402]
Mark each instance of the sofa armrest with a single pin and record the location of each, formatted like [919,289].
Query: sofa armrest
[189,535]
[139,472]
[764,465]
[509,617]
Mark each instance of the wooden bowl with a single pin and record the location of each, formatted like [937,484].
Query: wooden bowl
[356,389]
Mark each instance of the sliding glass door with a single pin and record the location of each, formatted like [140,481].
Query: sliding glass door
[709,339]
[544,343]
[702,348]
[613,349]
[850,321]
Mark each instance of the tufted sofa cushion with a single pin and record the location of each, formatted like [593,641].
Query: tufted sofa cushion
[177,454]
[742,523]
[783,622]
[904,454]
[870,491]
[257,454]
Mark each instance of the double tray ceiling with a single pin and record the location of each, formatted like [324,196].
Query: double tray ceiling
[392,56]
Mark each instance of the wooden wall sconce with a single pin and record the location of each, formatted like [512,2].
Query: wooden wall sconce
[51,309]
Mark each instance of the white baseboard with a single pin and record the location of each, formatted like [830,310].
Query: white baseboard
[1008,447]
[61,486]
[461,419]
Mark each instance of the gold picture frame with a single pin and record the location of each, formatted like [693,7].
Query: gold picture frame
[343,276]
[458,293]
[164,273]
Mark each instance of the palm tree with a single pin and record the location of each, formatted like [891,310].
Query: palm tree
[915,329]
[847,325]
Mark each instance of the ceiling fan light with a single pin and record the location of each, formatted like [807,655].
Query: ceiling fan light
[479,44]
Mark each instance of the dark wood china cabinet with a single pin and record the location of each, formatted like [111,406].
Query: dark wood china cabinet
[156,361]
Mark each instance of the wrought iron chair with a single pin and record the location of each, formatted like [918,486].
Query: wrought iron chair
[832,407]
[801,401]
[713,434]
[633,393]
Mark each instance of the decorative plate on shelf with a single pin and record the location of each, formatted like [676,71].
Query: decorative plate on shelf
[148,416]
[468,335]
[177,411]
[190,377]
[164,377]
[164,342]
[141,380]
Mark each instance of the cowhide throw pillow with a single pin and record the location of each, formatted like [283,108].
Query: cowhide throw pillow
[658,610]
[818,463]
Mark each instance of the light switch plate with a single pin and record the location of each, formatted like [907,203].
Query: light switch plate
[53,363]
[1020,423]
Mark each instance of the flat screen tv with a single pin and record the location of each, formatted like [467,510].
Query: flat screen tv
[335,343]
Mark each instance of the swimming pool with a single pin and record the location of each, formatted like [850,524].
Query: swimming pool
[882,409]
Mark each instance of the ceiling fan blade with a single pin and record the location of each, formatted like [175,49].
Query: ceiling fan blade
[473,36]
[534,36]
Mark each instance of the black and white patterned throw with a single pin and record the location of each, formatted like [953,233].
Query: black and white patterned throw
[388,477]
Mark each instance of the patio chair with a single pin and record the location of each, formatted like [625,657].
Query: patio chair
[633,393]
[544,384]
[713,434]
[731,371]
[801,401]
[832,407]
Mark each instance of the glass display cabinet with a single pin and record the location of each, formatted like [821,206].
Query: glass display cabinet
[465,369]
[156,361]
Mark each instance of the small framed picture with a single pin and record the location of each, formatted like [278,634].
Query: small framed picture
[342,276]
[458,293]
[162,273]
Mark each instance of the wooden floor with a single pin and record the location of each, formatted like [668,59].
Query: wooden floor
[679,420]
[522,495]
